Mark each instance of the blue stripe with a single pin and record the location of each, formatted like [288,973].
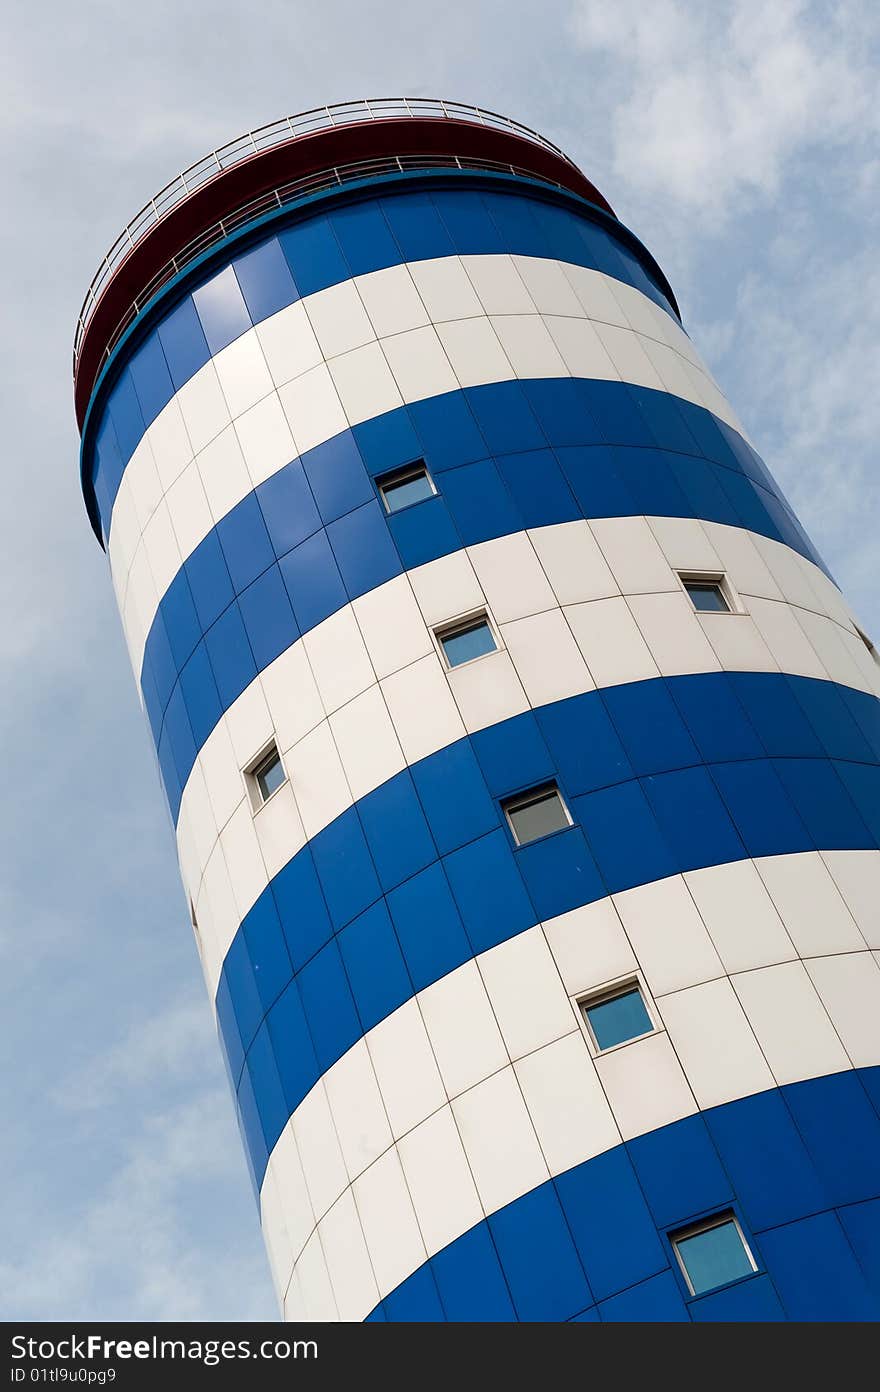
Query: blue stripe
[505,457]
[314,253]
[421,875]
[595,1241]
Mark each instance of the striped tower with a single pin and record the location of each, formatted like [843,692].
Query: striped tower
[523,756]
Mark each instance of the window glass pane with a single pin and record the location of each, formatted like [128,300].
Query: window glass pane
[468,643]
[538,818]
[269,776]
[708,597]
[714,1257]
[620,1018]
[409,488]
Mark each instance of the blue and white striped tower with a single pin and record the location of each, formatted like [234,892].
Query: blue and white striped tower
[522,755]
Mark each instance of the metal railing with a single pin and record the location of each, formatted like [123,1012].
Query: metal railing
[278,198]
[265,138]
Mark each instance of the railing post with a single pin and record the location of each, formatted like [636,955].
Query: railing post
[288,127]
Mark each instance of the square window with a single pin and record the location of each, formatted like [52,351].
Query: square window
[265,776]
[537,813]
[707,593]
[617,1016]
[713,1253]
[402,487]
[466,639]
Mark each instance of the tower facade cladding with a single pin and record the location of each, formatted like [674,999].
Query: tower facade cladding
[523,756]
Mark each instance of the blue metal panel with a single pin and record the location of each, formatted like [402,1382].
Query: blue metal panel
[680,1172]
[624,837]
[183,342]
[826,807]
[222,311]
[470,1280]
[293,1045]
[313,255]
[230,653]
[397,832]
[453,792]
[374,965]
[209,581]
[861,1223]
[538,1256]
[151,378]
[245,542]
[240,989]
[512,754]
[126,415]
[768,1163]
[329,1006]
[841,1130]
[429,926]
[479,503]
[538,488]
[288,506]
[261,1068]
[692,819]
[416,1300]
[748,1302]
[559,873]
[424,532]
[301,907]
[445,430]
[651,730]
[267,950]
[764,816]
[345,868]
[815,1272]
[265,281]
[364,551]
[365,238]
[612,1225]
[489,891]
[657,1300]
[417,227]
[720,728]
[337,477]
[268,617]
[313,581]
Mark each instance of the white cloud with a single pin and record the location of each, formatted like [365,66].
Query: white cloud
[711,101]
[171,1046]
[742,143]
[130,1251]
[146,1123]
[804,359]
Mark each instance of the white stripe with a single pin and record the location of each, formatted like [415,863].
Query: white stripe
[354,351]
[577,605]
[485,1084]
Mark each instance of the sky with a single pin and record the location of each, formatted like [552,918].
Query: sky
[738,139]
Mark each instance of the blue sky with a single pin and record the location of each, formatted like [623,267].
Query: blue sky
[738,139]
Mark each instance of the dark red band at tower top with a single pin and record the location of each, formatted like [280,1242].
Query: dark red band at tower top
[339,146]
